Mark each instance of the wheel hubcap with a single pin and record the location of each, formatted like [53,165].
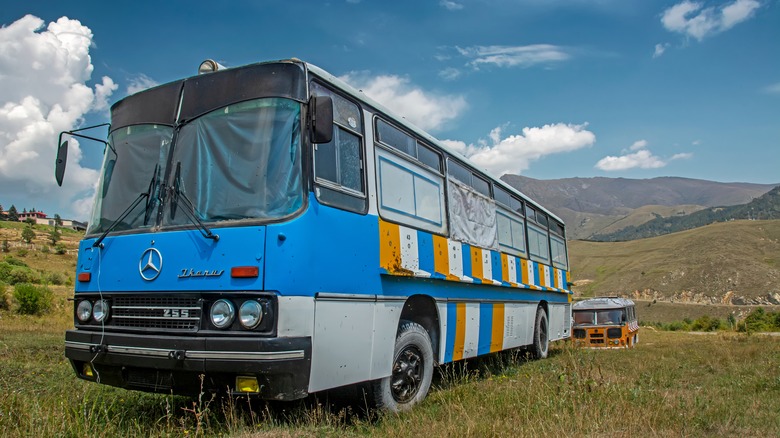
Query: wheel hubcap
[407,374]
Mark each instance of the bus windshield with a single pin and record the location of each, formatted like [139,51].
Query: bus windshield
[599,317]
[242,161]
[128,170]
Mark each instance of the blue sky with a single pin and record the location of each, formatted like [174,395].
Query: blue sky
[543,88]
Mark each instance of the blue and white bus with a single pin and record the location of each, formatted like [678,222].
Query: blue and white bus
[268,230]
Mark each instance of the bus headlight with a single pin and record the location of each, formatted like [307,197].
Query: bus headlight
[100,310]
[222,313]
[84,310]
[250,314]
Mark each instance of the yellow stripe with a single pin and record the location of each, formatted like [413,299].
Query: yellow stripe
[497,337]
[524,270]
[556,283]
[476,263]
[540,274]
[441,255]
[389,250]
[460,331]
[505,267]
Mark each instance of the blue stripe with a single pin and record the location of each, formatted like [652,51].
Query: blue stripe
[485,327]
[425,252]
[466,256]
[495,259]
[452,320]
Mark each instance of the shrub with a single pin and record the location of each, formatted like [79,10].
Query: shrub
[15,262]
[5,271]
[45,249]
[21,252]
[5,303]
[32,300]
[60,249]
[20,274]
[5,247]
[55,278]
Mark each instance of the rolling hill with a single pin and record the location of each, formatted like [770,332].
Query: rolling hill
[736,262]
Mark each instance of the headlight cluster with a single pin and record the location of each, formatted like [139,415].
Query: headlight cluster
[97,311]
[223,313]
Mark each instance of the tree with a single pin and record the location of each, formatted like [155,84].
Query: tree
[30,221]
[55,236]
[57,221]
[5,247]
[13,215]
[28,234]
[2,212]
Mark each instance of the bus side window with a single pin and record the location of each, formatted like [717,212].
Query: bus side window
[338,164]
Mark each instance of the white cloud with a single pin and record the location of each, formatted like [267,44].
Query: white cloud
[514,153]
[45,70]
[449,74]
[639,144]
[514,56]
[450,5]
[140,83]
[773,89]
[424,109]
[660,49]
[695,20]
[641,158]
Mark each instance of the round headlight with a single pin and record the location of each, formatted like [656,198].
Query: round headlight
[100,311]
[84,310]
[222,313]
[250,314]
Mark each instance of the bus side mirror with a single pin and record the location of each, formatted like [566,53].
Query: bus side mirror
[321,108]
[62,159]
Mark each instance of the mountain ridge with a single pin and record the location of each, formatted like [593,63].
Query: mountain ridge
[589,206]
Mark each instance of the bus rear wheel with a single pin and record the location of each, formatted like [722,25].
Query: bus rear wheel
[541,345]
[411,373]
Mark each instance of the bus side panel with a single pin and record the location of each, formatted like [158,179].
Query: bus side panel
[559,321]
[354,341]
[470,329]
[343,333]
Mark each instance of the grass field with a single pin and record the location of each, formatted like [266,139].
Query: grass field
[672,384]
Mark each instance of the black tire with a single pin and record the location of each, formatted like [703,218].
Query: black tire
[412,371]
[541,345]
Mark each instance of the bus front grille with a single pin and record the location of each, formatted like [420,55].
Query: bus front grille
[162,313]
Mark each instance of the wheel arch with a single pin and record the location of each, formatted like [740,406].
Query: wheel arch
[422,310]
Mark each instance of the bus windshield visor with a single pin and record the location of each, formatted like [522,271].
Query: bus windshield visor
[135,169]
[242,161]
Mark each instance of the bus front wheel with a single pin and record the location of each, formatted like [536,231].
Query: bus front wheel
[412,370]
[541,344]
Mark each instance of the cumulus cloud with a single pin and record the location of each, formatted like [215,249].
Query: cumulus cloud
[424,109]
[641,158]
[694,20]
[514,56]
[514,153]
[45,70]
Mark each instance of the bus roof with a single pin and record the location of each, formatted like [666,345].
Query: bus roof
[600,303]
[360,96]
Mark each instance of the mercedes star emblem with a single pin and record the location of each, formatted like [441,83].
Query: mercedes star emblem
[150,264]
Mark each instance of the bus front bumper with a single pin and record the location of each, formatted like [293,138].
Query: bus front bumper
[190,365]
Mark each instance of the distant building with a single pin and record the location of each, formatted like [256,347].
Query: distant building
[35,215]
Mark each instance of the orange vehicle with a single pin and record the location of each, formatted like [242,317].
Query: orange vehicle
[605,322]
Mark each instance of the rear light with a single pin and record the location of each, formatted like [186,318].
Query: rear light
[84,277]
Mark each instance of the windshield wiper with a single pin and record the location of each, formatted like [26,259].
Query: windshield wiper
[149,203]
[189,210]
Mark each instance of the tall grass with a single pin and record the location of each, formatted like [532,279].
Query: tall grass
[673,383]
